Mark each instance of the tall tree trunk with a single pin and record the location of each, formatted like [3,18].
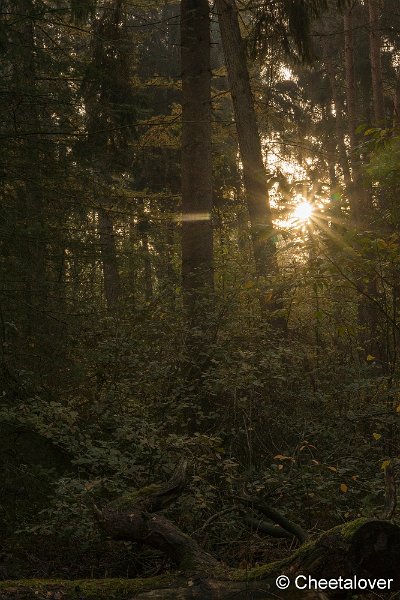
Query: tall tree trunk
[197,233]
[331,163]
[357,193]
[197,229]
[369,315]
[375,58]
[169,259]
[34,234]
[132,266]
[339,124]
[112,286]
[350,78]
[254,175]
[396,102]
[142,229]
[98,92]
[147,269]
[331,154]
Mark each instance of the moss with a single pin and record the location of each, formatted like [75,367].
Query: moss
[348,529]
[121,589]
[278,566]
[133,498]
[261,572]
[84,589]
[301,555]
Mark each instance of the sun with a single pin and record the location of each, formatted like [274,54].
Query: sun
[303,212]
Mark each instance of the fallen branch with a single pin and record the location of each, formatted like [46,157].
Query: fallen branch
[390,493]
[267,528]
[367,549]
[275,516]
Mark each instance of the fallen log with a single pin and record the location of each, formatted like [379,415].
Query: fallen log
[365,547]
[356,556]
[157,588]
[347,560]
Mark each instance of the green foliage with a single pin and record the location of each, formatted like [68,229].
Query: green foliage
[384,162]
[107,589]
[99,402]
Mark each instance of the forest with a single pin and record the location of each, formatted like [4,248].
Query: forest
[199,299]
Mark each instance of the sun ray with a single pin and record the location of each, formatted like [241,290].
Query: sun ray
[334,235]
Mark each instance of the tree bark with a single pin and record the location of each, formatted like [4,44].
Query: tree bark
[112,286]
[254,175]
[103,149]
[375,58]
[343,158]
[154,588]
[363,549]
[142,234]
[28,118]
[358,195]
[132,266]
[331,157]
[197,233]
[396,103]
[350,78]
[366,548]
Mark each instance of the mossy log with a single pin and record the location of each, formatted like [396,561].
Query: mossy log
[159,533]
[365,549]
[155,588]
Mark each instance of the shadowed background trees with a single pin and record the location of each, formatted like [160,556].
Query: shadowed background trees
[199,255]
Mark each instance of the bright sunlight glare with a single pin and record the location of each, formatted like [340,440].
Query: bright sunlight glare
[303,212]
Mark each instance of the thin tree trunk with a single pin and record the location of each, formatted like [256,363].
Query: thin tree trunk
[112,285]
[350,78]
[169,258]
[339,124]
[331,161]
[369,315]
[32,199]
[396,103]
[254,175]
[148,271]
[142,229]
[331,155]
[375,58]
[132,266]
[98,92]
[358,194]
[197,233]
